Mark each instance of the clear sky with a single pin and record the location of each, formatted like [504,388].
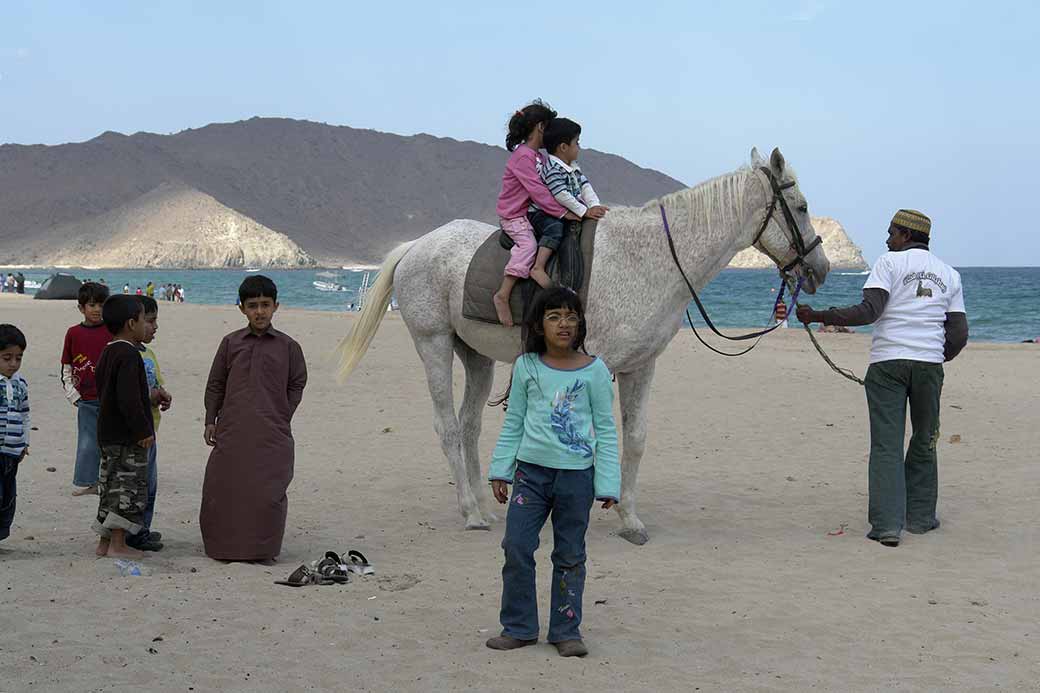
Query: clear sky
[929,105]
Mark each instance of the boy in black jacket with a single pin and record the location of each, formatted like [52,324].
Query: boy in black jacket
[125,431]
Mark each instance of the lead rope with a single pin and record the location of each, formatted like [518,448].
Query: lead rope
[844,372]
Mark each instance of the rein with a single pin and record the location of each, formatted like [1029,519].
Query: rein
[797,245]
[801,251]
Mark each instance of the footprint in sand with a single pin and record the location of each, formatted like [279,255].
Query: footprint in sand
[398,583]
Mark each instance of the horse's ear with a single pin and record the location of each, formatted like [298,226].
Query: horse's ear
[776,162]
[756,158]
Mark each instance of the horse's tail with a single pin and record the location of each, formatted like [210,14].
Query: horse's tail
[355,344]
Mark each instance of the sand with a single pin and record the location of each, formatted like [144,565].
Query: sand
[751,465]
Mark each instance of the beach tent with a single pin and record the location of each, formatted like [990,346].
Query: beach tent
[59,286]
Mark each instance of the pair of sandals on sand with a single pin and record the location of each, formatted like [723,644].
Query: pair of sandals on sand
[330,570]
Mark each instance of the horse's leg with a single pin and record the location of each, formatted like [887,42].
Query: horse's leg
[480,374]
[634,389]
[435,350]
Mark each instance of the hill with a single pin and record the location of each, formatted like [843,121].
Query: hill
[340,194]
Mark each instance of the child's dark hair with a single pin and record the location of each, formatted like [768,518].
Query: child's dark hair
[531,331]
[150,305]
[257,286]
[92,292]
[559,131]
[524,121]
[120,309]
[11,336]
[532,336]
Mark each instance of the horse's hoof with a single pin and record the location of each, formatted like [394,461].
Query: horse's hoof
[481,525]
[634,536]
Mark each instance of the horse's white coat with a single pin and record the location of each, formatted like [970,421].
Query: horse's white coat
[635,306]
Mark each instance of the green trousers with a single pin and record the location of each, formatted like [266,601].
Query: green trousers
[903,490]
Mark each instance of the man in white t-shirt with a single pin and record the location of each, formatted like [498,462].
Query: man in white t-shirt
[915,302]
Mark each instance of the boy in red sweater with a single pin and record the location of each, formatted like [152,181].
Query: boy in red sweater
[79,358]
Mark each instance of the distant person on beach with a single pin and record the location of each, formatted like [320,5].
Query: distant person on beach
[125,430]
[126,288]
[149,289]
[14,421]
[180,293]
[254,387]
[79,358]
[160,398]
[139,292]
[559,449]
[916,304]
[20,282]
[161,294]
[568,185]
[522,186]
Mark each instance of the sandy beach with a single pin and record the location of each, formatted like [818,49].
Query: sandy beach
[757,576]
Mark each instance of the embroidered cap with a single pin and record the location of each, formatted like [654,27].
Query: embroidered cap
[913,220]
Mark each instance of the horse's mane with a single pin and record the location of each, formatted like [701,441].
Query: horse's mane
[702,206]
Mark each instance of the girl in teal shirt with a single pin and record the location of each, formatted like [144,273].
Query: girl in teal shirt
[558,448]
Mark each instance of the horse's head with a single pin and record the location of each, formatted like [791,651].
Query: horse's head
[784,230]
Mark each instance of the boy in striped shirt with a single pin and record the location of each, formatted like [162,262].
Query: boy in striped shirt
[567,184]
[14,421]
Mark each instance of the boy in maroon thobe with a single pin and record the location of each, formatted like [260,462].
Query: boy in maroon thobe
[254,387]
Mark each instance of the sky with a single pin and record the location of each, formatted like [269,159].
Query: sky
[877,106]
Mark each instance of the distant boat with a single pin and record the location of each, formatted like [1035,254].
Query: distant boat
[252,269]
[329,286]
[331,275]
[361,268]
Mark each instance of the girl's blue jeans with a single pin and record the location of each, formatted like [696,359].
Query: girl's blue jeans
[539,492]
[88,454]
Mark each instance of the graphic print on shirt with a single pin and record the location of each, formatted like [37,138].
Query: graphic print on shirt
[150,373]
[562,420]
[921,278]
[81,364]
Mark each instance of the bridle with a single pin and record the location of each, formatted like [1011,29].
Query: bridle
[801,251]
[792,231]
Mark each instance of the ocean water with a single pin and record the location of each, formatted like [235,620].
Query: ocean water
[1003,303]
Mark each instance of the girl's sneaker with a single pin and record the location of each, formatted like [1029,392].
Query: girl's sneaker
[571,648]
[507,642]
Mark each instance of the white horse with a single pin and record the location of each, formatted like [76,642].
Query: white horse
[635,305]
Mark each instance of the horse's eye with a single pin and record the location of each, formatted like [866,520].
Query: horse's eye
[804,209]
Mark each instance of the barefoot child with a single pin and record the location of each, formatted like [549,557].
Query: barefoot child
[558,447]
[146,539]
[568,185]
[14,421]
[79,358]
[520,187]
[125,430]
[255,384]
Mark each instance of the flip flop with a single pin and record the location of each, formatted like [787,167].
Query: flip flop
[301,577]
[332,570]
[359,564]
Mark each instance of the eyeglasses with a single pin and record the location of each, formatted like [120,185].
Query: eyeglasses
[554,318]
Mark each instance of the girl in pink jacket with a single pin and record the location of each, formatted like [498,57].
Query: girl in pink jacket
[521,185]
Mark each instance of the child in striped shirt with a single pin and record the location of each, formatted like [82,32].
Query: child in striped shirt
[14,421]
[568,185]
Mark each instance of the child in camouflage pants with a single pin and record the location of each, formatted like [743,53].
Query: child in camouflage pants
[125,430]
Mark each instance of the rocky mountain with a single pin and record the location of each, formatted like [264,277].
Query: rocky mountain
[841,251]
[170,226]
[342,195]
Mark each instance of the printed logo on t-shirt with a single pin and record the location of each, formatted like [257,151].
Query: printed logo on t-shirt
[920,278]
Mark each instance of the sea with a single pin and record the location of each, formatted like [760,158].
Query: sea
[1003,303]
